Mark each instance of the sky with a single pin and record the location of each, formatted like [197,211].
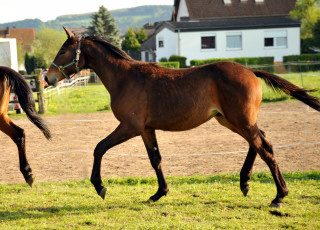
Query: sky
[16,10]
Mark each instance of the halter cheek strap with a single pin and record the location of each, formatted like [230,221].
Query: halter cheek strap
[74,62]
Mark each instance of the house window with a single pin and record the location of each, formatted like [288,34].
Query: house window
[275,39]
[161,43]
[268,42]
[208,42]
[234,41]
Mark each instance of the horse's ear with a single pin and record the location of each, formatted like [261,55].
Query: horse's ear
[69,33]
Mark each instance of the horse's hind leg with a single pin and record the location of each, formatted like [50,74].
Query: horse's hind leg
[150,141]
[258,142]
[18,136]
[246,171]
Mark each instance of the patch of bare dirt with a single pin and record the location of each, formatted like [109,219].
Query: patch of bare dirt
[208,149]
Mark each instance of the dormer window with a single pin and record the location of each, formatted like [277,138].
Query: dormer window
[259,1]
[227,2]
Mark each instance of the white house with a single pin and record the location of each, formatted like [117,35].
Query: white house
[206,29]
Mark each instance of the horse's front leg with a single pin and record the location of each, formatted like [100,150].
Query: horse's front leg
[121,134]
[150,141]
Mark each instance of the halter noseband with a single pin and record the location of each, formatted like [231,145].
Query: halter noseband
[74,62]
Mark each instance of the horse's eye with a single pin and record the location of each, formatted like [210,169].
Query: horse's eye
[62,52]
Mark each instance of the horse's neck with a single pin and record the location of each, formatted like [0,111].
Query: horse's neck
[109,70]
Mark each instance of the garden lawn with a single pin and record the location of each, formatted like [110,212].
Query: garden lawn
[196,202]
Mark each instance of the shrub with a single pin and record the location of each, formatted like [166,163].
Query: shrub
[303,58]
[170,65]
[163,59]
[180,59]
[242,60]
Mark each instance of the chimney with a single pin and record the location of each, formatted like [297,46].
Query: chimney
[7,31]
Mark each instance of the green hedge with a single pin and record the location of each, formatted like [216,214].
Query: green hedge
[303,58]
[182,60]
[170,65]
[243,61]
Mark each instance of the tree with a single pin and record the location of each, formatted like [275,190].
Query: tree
[104,26]
[48,42]
[44,49]
[308,13]
[31,63]
[316,34]
[130,42]
[141,35]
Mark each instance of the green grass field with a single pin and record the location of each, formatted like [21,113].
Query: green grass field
[197,202]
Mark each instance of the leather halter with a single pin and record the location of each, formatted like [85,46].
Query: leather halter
[74,62]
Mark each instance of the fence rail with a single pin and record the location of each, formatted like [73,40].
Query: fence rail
[79,81]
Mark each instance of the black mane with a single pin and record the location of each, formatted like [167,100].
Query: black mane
[115,50]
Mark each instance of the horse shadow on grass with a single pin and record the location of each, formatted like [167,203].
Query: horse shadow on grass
[44,212]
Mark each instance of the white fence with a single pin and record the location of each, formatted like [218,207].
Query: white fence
[81,80]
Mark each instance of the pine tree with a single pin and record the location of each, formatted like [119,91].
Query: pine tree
[104,26]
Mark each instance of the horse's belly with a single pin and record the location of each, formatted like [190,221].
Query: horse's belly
[183,121]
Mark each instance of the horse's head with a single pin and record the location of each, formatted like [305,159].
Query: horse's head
[68,60]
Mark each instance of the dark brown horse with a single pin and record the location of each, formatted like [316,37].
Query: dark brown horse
[146,97]
[10,80]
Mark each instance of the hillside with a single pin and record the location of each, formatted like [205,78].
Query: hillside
[136,16]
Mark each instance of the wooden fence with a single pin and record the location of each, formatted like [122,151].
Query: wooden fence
[38,88]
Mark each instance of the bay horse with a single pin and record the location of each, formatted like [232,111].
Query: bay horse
[12,81]
[146,97]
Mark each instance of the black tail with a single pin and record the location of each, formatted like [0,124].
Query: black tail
[278,83]
[25,97]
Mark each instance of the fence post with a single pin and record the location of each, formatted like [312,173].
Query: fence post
[40,92]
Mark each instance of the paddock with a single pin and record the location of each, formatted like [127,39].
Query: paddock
[208,149]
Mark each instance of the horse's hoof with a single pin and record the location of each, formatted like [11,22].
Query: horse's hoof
[275,205]
[30,181]
[150,201]
[103,192]
[245,190]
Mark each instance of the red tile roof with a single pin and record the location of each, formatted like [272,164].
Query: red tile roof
[25,36]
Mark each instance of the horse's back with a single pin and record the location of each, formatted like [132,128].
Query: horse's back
[188,98]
